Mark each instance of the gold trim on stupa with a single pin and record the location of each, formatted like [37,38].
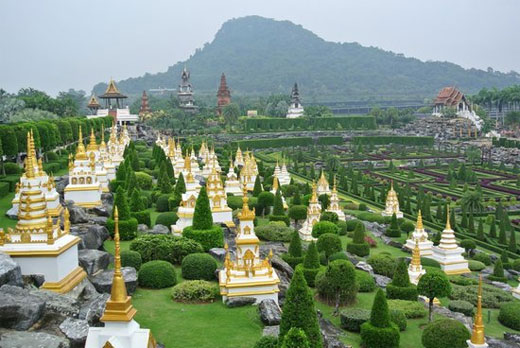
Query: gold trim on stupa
[477,334]
[246,213]
[80,150]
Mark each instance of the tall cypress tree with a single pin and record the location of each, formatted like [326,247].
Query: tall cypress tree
[121,202]
[202,218]
[164,181]
[180,186]
[380,315]
[512,240]
[502,237]
[480,233]
[257,189]
[278,204]
[136,202]
[297,199]
[471,223]
[295,247]
[493,228]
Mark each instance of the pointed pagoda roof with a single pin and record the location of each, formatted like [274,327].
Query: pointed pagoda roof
[93,103]
[112,91]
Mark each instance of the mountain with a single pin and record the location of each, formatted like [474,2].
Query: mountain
[262,56]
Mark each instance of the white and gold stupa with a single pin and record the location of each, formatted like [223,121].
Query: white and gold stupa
[195,169]
[313,216]
[187,207]
[421,236]
[211,162]
[116,147]
[323,185]
[415,269]
[232,185]
[204,152]
[218,200]
[334,206]
[35,176]
[83,189]
[284,177]
[448,253]
[392,203]
[105,158]
[248,275]
[39,245]
[101,172]
[239,160]
[120,330]
[249,172]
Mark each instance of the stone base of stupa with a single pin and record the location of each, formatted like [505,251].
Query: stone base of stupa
[425,247]
[86,196]
[415,275]
[224,216]
[451,260]
[234,188]
[119,334]
[398,214]
[306,232]
[57,262]
[473,345]
[261,286]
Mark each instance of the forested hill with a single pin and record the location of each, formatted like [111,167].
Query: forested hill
[262,56]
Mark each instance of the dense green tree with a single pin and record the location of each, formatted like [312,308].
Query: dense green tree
[502,237]
[278,209]
[512,240]
[265,201]
[231,113]
[298,213]
[295,247]
[297,199]
[296,338]
[493,228]
[121,202]
[379,331]
[202,218]
[480,231]
[136,202]
[434,284]
[257,189]
[393,230]
[163,182]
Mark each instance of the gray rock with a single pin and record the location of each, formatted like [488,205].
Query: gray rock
[218,254]
[270,312]
[285,273]
[99,211]
[19,309]
[76,331]
[278,249]
[84,291]
[12,213]
[142,228]
[57,305]
[97,220]
[159,229]
[103,280]
[10,272]
[381,280]
[234,302]
[35,280]
[503,286]
[271,331]
[78,214]
[93,309]
[513,337]
[467,321]
[61,183]
[330,333]
[93,261]
[352,258]
[92,236]
[24,339]
[107,199]
[496,343]
[362,265]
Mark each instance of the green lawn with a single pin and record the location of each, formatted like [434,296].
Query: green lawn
[5,205]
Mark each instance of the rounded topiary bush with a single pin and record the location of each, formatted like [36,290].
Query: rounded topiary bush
[162,204]
[445,333]
[366,281]
[484,258]
[463,307]
[208,238]
[351,224]
[166,219]
[398,318]
[164,247]
[275,231]
[342,228]
[131,258]
[323,227]
[340,255]
[338,278]
[199,266]
[380,337]
[157,275]
[267,342]
[509,315]
[329,243]
[195,291]
[127,228]
[353,318]
[383,264]
[476,266]
[329,216]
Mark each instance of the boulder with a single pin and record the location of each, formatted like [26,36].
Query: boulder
[93,309]
[513,337]
[271,331]
[99,211]
[278,249]
[159,229]
[352,258]
[76,331]
[84,291]
[270,312]
[234,302]
[218,254]
[142,228]
[504,286]
[92,236]
[97,220]
[78,214]
[93,261]
[19,339]
[57,305]
[10,272]
[285,273]
[103,280]
[61,182]
[35,280]
[381,280]
[19,309]
[496,343]
[330,333]
[467,321]
[107,199]
[362,265]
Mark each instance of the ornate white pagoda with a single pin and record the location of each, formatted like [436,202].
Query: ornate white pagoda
[334,206]
[284,177]
[106,158]
[115,147]
[232,185]
[218,200]
[248,275]
[249,172]
[313,216]
[239,159]
[36,176]
[99,169]
[276,186]
[120,330]
[392,204]
[419,235]
[39,245]
[448,253]
[323,185]
[295,109]
[415,269]
[83,189]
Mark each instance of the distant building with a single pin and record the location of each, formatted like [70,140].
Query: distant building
[452,97]
[185,92]
[223,95]
[252,113]
[296,108]
[145,108]
[114,106]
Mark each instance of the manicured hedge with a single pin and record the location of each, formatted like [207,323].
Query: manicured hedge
[195,291]
[353,318]
[142,217]
[365,280]
[127,228]
[212,238]
[278,123]
[166,219]
[11,181]
[164,247]
[4,189]
[463,307]
[157,275]
[392,139]
[509,315]
[199,266]
[445,333]
[130,258]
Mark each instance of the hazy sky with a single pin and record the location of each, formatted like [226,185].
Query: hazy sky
[54,45]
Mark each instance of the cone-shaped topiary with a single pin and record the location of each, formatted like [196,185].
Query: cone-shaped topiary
[480,231]
[297,199]
[136,202]
[295,247]
[379,332]
[131,180]
[359,233]
[380,315]
[299,311]
[512,240]
[121,172]
[278,204]
[493,229]
[202,218]
[393,230]
[121,202]
[401,277]
[180,186]
[400,287]
[359,246]
[257,189]
[296,338]
[311,264]
[164,181]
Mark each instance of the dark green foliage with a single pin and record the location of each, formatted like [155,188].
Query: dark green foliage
[257,188]
[157,275]
[463,307]
[323,227]
[275,231]
[493,230]
[400,286]
[379,331]
[311,264]
[328,243]
[480,231]
[278,204]
[498,272]
[136,202]
[393,230]
[127,228]
[131,258]
[295,338]
[265,200]
[411,309]
[351,225]
[445,333]
[267,342]
[208,238]
[121,202]
[329,216]
[324,200]
[337,285]
[340,255]
[4,189]
[392,139]
[297,199]
[502,236]
[195,291]
[380,315]
[483,257]
[295,252]
[509,315]
[512,240]
[366,281]
[164,181]
[359,246]
[353,318]
[166,219]
[202,218]
[162,204]
[298,212]
[398,318]
[121,172]
[383,264]
[199,266]
[164,247]
[427,262]
[468,245]
[142,217]
[299,311]
[475,266]
[492,297]
[180,186]
[434,284]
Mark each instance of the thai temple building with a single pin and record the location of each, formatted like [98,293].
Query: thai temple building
[83,189]
[420,236]
[211,161]
[101,172]
[232,185]
[204,153]
[195,169]
[218,200]
[145,108]
[448,253]
[415,269]
[116,145]
[114,106]
[313,216]
[248,275]
[239,159]
[120,330]
[392,204]
[185,93]
[334,206]
[276,186]
[323,185]
[451,97]
[284,177]
[295,109]
[35,176]
[223,95]
[478,337]
[249,172]
[38,244]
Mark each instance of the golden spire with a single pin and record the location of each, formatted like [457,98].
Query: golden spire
[80,151]
[275,184]
[49,230]
[419,225]
[29,168]
[66,221]
[187,162]
[246,213]
[334,186]
[314,197]
[111,88]
[416,256]
[448,226]
[92,146]
[477,334]
[103,144]
[119,306]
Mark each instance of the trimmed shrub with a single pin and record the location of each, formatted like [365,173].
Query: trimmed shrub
[127,228]
[157,275]
[407,226]
[311,264]
[199,266]
[295,338]
[516,265]
[323,227]
[492,297]
[352,318]
[509,315]
[342,227]
[351,224]
[144,181]
[383,264]
[4,189]
[195,291]
[400,287]
[464,281]
[142,217]
[275,232]
[164,247]
[267,342]
[463,307]
[483,257]
[337,283]
[166,219]
[130,258]
[359,246]
[379,331]
[12,168]
[280,218]
[295,252]
[398,318]
[476,266]
[162,204]
[340,255]
[427,262]
[445,333]
[328,243]
[393,230]
[365,280]
[329,216]
[208,238]
[410,309]
[498,272]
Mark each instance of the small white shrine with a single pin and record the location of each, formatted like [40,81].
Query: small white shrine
[232,185]
[295,109]
[334,206]
[323,185]
[415,269]
[419,235]
[220,211]
[392,204]
[313,216]
[284,177]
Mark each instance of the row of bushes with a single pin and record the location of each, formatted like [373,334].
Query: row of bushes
[277,123]
[393,139]
[287,142]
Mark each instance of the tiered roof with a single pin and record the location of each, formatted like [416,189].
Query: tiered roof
[449,96]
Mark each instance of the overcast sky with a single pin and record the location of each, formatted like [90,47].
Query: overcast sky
[54,45]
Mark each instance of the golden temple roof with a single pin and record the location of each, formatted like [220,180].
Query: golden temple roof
[93,102]
[112,91]
[92,146]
